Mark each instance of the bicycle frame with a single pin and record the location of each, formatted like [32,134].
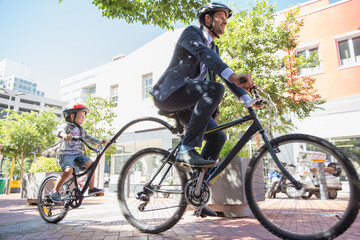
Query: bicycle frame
[91,169]
[255,127]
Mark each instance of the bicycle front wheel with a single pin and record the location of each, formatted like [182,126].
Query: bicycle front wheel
[298,214]
[51,212]
[150,191]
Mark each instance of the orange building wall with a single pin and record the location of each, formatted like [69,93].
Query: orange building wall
[322,25]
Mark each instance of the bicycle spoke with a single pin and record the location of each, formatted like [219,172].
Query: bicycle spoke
[151,199]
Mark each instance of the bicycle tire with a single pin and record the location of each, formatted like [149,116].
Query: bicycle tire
[297,217]
[51,212]
[152,212]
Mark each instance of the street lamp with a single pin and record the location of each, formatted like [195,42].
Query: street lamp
[11,95]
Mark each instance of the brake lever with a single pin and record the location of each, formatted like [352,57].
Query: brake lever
[257,101]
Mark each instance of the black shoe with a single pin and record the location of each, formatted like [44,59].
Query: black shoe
[207,212]
[193,159]
[96,191]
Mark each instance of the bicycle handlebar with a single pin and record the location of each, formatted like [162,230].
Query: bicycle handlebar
[78,138]
[242,94]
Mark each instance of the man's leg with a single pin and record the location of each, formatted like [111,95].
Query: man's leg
[214,142]
[203,97]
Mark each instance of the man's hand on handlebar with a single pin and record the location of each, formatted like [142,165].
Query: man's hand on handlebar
[242,80]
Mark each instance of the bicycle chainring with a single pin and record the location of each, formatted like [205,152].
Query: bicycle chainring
[75,198]
[200,200]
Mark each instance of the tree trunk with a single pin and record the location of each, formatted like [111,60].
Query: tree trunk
[21,165]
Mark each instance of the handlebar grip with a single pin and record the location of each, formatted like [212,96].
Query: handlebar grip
[242,80]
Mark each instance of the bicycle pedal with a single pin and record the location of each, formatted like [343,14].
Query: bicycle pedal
[99,194]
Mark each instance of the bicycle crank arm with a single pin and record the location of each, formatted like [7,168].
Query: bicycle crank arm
[199,182]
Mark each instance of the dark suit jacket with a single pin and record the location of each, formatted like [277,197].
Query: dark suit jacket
[190,51]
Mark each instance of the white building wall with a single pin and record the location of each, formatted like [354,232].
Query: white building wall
[127,73]
[11,68]
[339,118]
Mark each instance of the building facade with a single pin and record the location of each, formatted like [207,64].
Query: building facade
[332,30]
[15,76]
[27,103]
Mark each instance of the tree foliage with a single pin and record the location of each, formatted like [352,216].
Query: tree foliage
[162,13]
[23,133]
[255,42]
[99,122]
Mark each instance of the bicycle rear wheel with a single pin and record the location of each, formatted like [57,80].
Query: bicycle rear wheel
[295,214]
[51,212]
[150,191]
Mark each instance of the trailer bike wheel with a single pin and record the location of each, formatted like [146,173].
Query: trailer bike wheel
[294,215]
[51,212]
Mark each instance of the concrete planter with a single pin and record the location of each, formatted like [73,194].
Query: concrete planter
[228,192]
[31,183]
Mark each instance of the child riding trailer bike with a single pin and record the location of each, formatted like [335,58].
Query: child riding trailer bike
[57,194]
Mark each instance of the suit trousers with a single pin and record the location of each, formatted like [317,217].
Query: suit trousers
[197,101]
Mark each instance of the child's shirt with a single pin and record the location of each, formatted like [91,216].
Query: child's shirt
[73,147]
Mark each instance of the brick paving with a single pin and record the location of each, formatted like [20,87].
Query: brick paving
[100,218]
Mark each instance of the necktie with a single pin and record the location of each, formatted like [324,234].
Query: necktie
[210,74]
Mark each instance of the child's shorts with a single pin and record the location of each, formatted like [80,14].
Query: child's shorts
[74,161]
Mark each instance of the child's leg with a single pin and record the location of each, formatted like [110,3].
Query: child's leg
[62,178]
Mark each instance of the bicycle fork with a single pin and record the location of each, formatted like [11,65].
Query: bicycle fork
[296,184]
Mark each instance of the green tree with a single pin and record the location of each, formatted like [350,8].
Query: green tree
[6,166]
[23,133]
[99,123]
[256,43]
[162,13]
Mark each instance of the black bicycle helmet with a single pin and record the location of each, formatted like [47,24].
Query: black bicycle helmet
[75,109]
[211,8]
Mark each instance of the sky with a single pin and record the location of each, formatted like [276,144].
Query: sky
[61,40]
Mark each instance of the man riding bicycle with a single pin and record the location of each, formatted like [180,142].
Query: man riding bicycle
[183,87]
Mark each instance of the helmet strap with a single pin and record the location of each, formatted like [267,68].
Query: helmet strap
[211,27]
[212,30]
[73,121]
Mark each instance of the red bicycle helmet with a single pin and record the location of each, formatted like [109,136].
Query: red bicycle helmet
[75,109]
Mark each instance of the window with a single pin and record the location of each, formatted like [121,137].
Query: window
[147,85]
[349,49]
[114,94]
[307,53]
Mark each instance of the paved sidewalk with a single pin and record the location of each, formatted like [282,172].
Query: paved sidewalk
[100,218]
